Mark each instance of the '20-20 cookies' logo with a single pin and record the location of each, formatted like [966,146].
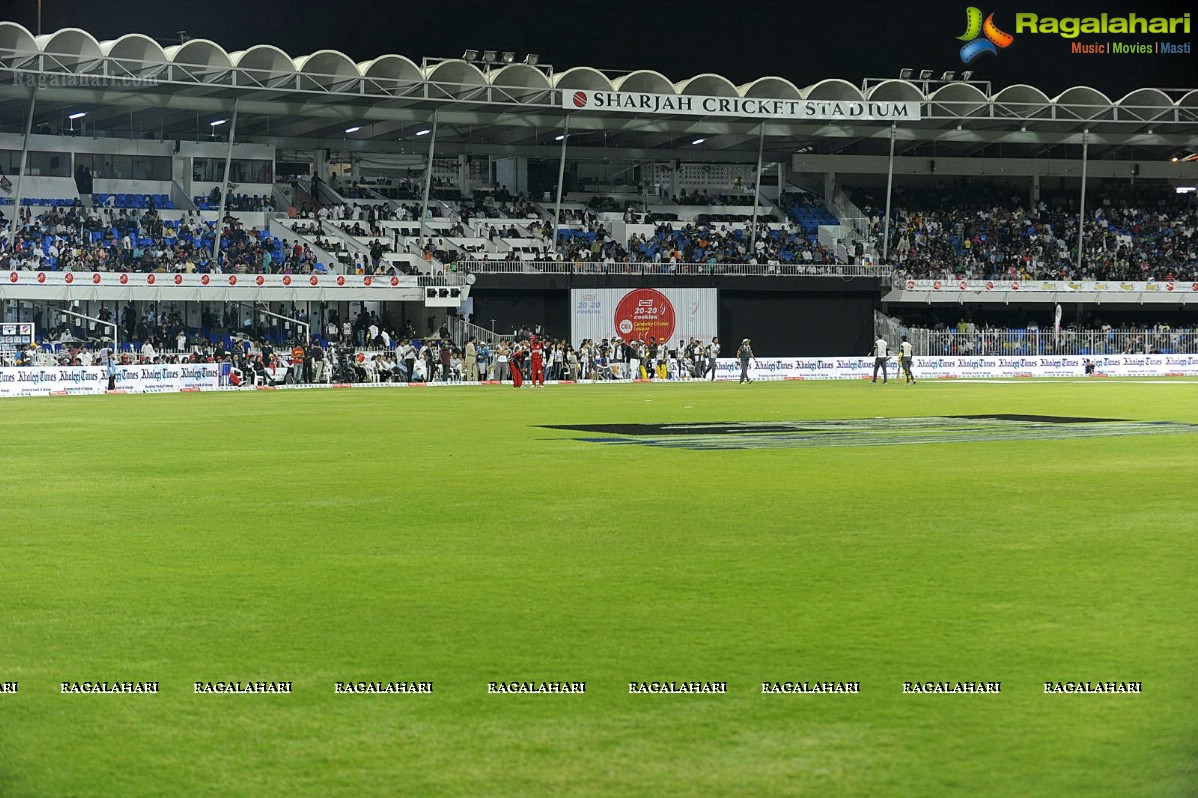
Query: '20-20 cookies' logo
[974,27]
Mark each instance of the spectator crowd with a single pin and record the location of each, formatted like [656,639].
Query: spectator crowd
[991,232]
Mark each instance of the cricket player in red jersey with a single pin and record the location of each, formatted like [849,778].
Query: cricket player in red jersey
[537,374]
[515,363]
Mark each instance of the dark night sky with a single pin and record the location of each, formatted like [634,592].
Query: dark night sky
[741,39]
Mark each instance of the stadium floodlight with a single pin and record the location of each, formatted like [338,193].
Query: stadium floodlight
[559,137]
[905,74]
[925,74]
[489,56]
[531,59]
[947,77]
[422,132]
[967,75]
[77,115]
[217,122]
[353,129]
[698,141]
[508,57]
[470,55]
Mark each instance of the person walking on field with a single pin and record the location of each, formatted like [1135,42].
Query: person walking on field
[713,355]
[905,360]
[881,355]
[745,354]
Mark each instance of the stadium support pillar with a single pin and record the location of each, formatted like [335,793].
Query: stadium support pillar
[889,188]
[428,180]
[224,188]
[16,199]
[561,181]
[1081,211]
[757,189]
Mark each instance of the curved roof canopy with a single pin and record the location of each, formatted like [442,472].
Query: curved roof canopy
[314,95]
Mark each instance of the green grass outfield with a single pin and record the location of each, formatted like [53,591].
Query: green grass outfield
[441,535]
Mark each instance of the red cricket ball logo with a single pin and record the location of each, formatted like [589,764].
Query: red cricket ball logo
[580,99]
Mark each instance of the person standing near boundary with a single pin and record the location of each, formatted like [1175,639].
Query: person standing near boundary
[713,355]
[515,365]
[537,373]
[905,360]
[110,365]
[745,354]
[881,355]
[472,359]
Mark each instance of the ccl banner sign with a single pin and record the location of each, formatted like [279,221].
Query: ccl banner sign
[135,279]
[747,108]
[638,314]
[45,381]
[931,367]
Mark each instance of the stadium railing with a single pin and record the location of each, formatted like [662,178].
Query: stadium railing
[1084,342]
[673,269]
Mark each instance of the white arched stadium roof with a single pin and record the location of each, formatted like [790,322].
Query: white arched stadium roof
[958,99]
[199,77]
[832,89]
[136,55]
[771,88]
[329,69]
[71,49]
[455,79]
[198,61]
[707,84]
[1021,101]
[519,82]
[17,45]
[582,77]
[897,91]
[644,80]
[390,74]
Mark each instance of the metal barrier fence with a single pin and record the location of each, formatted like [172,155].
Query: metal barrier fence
[673,269]
[1161,340]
